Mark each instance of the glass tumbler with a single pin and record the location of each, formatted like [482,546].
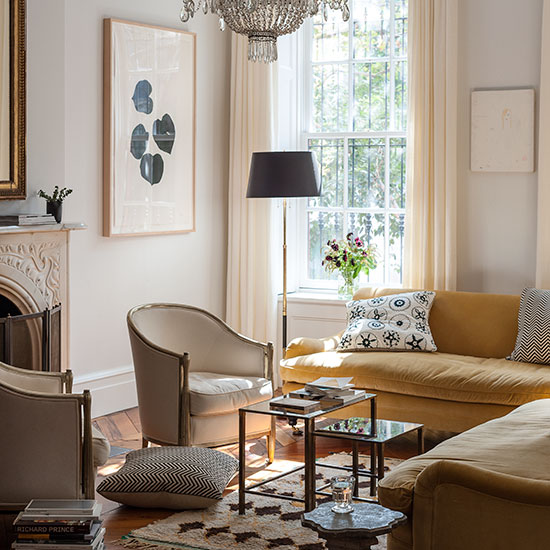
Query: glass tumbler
[342,492]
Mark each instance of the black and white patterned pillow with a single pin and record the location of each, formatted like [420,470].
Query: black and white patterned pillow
[533,340]
[170,477]
[395,322]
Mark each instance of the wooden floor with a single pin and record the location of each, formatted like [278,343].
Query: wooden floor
[123,429]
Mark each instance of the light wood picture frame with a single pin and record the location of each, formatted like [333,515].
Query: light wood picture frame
[149,112]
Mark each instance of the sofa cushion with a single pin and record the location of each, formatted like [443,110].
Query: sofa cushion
[517,444]
[212,393]
[533,341]
[389,323]
[433,375]
[179,478]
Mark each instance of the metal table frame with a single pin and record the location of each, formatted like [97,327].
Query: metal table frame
[309,450]
[376,472]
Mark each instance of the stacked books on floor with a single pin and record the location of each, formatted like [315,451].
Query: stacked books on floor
[27,219]
[59,525]
[323,393]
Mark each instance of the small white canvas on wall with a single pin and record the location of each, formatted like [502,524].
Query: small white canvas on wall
[503,131]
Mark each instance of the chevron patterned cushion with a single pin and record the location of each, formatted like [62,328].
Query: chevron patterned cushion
[179,478]
[533,341]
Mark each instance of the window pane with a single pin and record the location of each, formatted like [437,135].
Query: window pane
[330,98]
[401,95]
[398,159]
[330,156]
[395,248]
[331,37]
[371,28]
[322,226]
[366,173]
[401,27]
[370,89]
[370,228]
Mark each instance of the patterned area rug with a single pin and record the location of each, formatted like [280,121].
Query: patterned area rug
[269,524]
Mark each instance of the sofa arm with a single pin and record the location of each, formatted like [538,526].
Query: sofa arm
[306,346]
[458,505]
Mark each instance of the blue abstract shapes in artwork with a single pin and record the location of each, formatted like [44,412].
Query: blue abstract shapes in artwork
[141,98]
[152,168]
[138,143]
[164,133]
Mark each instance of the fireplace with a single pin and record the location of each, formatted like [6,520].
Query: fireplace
[33,283]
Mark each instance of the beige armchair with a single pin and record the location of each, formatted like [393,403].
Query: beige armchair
[48,444]
[193,373]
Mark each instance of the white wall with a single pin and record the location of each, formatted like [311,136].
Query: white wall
[499,47]
[109,276]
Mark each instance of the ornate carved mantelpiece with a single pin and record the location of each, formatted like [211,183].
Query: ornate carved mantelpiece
[34,270]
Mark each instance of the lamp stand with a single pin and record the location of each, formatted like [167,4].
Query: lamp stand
[284,278]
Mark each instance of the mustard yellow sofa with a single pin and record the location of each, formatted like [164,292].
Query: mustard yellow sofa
[465,383]
[485,489]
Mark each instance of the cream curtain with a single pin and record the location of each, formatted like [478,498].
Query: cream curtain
[543,223]
[251,298]
[430,229]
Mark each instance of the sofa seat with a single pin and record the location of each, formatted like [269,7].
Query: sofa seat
[517,444]
[435,375]
[214,394]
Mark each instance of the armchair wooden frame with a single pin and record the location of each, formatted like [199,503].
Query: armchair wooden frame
[52,394]
[184,360]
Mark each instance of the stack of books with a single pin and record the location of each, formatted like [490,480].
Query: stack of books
[323,393]
[27,219]
[59,525]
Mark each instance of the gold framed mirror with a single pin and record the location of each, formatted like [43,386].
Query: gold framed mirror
[12,99]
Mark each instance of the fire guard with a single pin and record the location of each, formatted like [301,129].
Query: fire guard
[32,341]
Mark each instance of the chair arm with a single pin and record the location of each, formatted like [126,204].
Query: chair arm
[46,382]
[306,346]
[457,503]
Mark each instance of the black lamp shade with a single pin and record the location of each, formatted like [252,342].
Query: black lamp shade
[283,174]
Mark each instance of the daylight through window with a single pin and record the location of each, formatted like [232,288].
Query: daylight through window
[355,122]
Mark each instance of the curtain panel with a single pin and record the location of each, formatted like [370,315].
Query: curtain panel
[430,226]
[251,297]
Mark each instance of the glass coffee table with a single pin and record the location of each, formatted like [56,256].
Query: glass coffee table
[358,430]
[264,407]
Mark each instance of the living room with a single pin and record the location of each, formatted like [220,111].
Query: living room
[471,228]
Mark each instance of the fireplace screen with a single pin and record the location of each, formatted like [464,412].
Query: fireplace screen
[31,341]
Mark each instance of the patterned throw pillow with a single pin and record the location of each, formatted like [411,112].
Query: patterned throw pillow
[179,478]
[533,341]
[390,323]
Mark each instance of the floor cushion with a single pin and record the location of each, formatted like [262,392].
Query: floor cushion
[517,444]
[212,393]
[178,478]
[434,375]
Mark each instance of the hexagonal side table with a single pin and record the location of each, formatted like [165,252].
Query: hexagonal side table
[358,529]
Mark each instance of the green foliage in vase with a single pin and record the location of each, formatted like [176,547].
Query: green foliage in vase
[349,257]
[58,195]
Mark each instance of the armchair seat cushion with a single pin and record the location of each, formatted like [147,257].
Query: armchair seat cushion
[212,393]
[101,448]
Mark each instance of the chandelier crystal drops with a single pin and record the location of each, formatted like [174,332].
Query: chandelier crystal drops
[263,20]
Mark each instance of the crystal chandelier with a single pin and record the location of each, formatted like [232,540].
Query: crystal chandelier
[263,20]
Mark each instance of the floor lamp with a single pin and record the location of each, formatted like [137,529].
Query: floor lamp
[285,175]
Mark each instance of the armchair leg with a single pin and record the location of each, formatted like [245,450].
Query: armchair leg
[271,438]
[144,443]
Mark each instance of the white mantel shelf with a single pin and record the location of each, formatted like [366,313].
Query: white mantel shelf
[73,226]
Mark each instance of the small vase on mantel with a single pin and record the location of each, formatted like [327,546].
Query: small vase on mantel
[55,208]
[347,287]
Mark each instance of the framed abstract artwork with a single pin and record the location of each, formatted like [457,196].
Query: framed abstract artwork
[149,129]
[503,131]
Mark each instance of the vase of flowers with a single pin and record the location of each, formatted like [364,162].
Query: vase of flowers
[349,257]
[54,201]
